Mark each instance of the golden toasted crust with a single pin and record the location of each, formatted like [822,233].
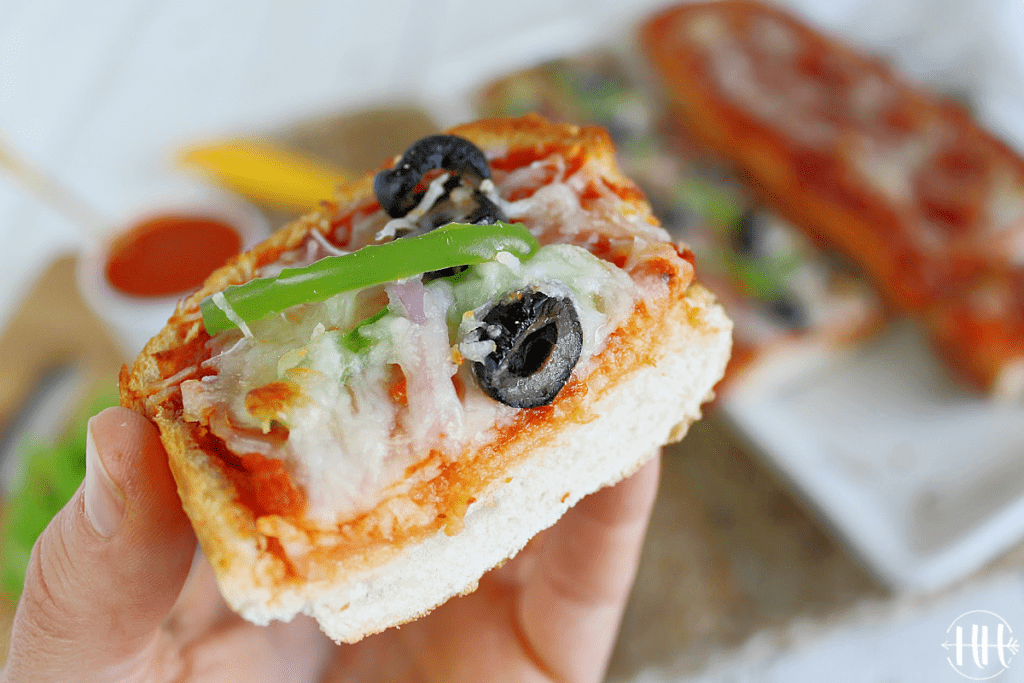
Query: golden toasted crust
[675,345]
[822,131]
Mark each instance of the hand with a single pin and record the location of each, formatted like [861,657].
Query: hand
[113,594]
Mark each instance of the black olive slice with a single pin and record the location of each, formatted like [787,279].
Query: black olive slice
[396,188]
[747,233]
[789,311]
[486,213]
[538,340]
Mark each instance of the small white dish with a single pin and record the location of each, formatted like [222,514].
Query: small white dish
[134,320]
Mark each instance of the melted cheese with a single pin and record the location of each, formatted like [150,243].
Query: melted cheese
[351,432]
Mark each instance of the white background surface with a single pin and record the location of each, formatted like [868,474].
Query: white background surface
[101,93]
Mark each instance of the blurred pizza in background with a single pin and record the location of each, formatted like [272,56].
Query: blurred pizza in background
[787,297]
[928,204]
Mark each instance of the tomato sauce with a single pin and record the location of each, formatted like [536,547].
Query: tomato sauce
[170,254]
[265,487]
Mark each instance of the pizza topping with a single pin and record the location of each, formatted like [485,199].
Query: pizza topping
[396,188]
[325,371]
[457,195]
[445,203]
[222,304]
[453,245]
[536,341]
[487,210]
[745,234]
[379,376]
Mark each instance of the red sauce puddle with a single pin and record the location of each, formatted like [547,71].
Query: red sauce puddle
[170,254]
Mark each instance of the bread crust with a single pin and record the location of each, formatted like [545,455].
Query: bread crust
[359,579]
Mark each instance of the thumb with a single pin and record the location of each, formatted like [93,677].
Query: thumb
[107,570]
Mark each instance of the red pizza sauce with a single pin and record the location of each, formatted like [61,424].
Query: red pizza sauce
[170,254]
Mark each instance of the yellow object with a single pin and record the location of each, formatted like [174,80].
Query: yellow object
[266,173]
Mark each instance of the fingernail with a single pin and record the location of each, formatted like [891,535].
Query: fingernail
[104,501]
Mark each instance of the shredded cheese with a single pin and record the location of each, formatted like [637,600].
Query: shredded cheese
[221,302]
[350,439]
[408,221]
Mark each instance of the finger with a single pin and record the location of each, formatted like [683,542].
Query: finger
[470,638]
[107,570]
[518,570]
[570,609]
[199,607]
[239,651]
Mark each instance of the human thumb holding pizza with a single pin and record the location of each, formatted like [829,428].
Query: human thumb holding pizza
[107,570]
[109,595]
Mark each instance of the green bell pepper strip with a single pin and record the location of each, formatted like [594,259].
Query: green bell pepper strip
[354,340]
[456,244]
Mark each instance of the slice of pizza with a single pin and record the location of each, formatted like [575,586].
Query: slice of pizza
[391,396]
[788,299]
[928,204]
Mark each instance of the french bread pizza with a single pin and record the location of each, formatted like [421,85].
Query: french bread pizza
[392,395]
[928,204]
